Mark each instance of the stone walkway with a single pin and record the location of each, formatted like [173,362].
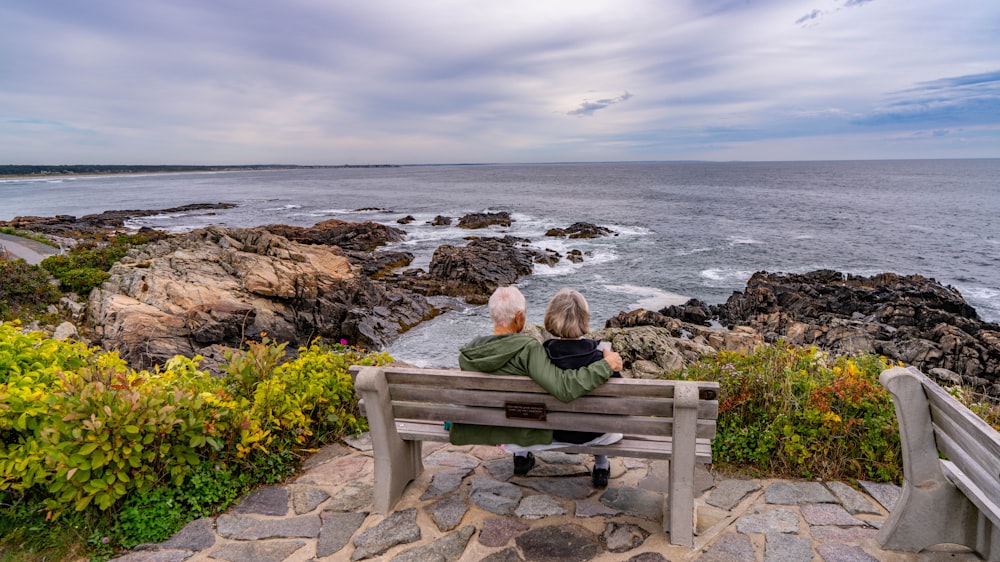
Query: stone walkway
[29,250]
[467,505]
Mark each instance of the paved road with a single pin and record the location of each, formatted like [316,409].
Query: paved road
[29,250]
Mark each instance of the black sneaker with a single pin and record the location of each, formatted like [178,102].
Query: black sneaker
[600,477]
[523,464]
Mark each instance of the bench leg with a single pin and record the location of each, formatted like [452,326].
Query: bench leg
[397,461]
[678,515]
[930,510]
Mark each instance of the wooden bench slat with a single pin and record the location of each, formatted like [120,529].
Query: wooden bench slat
[974,432]
[966,450]
[554,420]
[983,476]
[439,378]
[629,446]
[985,499]
[589,403]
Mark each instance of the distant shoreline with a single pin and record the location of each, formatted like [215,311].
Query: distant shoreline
[49,171]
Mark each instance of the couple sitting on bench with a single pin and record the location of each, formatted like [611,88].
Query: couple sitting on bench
[567,367]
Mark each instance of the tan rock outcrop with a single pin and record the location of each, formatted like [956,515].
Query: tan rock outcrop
[219,286]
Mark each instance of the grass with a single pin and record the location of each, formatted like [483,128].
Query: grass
[29,235]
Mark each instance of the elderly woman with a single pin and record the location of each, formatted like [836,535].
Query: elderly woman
[568,318]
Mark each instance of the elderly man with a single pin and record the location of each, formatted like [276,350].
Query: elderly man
[508,352]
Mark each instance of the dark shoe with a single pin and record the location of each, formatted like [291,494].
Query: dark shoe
[600,477]
[523,464]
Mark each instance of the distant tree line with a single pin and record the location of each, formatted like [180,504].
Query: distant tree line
[28,169]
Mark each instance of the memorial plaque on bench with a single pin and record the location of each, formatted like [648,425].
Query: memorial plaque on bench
[525,410]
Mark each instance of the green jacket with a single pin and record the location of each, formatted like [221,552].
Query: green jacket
[518,354]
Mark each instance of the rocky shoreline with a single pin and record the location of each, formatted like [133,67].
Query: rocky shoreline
[202,291]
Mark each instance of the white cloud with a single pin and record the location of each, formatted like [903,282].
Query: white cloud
[309,81]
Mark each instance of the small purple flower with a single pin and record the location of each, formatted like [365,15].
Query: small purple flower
[343,342]
[217,467]
[105,540]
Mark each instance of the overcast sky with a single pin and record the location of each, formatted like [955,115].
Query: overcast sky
[430,81]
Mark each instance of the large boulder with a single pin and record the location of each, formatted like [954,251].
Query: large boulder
[472,271]
[908,318]
[653,345]
[483,220]
[580,230]
[359,236]
[219,286]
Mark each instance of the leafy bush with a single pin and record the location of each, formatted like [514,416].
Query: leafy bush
[25,290]
[141,453]
[799,412]
[86,266]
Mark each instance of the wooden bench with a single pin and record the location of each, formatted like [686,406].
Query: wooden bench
[951,470]
[673,420]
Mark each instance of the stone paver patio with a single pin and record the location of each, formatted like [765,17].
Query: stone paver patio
[467,505]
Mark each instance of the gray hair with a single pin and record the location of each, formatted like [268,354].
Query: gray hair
[505,303]
[567,315]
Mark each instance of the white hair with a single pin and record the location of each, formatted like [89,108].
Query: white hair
[505,303]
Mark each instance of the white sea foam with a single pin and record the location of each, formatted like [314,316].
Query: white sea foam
[692,251]
[719,277]
[981,293]
[652,298]
[328,212]
[287,207]
[737,240]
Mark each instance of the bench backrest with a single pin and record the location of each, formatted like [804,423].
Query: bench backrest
[969,443]
[629,406]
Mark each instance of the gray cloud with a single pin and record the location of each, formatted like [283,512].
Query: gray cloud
[813,15]
[588,107]
[308,81]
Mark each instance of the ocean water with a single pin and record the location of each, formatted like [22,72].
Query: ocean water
[683,229]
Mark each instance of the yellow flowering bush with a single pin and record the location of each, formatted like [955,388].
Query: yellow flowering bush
[79,429]
[800,412]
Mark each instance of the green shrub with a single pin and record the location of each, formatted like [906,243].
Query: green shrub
[82,280]
[25,290]
[138,454]
[789,411]
[85,266]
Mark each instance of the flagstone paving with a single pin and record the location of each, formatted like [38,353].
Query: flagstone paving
[468,505]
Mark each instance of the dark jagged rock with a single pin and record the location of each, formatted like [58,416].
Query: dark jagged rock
[472,271]
[547,257]
[89,226]
[440,220]
[643,317]
[379,264]
[581,230]
[363,236]
[483,220]
[693,311]
[909,318]
[406,220]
